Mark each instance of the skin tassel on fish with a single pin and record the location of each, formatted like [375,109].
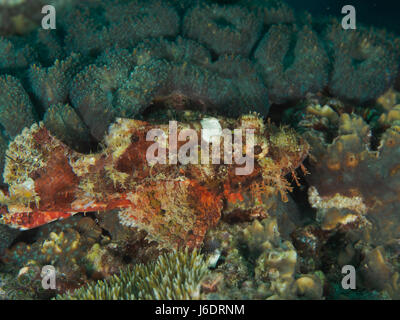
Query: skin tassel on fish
[174,203]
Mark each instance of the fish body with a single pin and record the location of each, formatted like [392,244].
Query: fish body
[175,203]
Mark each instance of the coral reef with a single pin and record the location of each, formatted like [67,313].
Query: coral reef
[239,69]
[93,94]
[7,236]
[26,285]
[348,169]
[51,85]
[179,50]
[293,62]
[75,248]
[257,263]
[79,106]
[365,62]
[14,55]
[354,189]
[174,74]
[176,275]
[249,92]
[91,27]
[16,111]
[274,12]
[223,29]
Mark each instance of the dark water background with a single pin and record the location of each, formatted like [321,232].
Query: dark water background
[384,13]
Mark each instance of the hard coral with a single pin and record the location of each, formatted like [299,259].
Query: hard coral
[26,285]
[293,62]
[51,85]
[179,50]
[273,11]
[162,67]
[134,21]
[176,275]
[16,109]
[93,93]
[228,85]
[14,55]
[171,74]
[223,29]
[249,92]
[365,62]
[345,174]
[74,247]
[92,27]
[197,88]
[258,263]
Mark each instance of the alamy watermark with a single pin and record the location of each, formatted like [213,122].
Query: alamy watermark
[49,20]
[349,20]
[349,280]
[48,275]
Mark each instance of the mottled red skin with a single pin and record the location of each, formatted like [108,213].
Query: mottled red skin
[57,186]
